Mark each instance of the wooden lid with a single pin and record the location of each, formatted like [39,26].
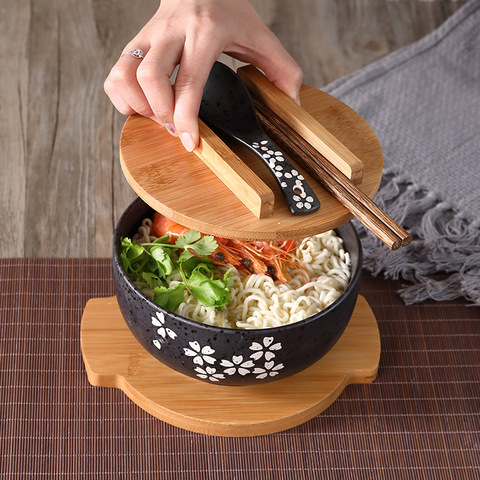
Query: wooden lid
[180,186]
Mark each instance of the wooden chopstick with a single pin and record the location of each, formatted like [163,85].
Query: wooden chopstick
[302,123]
[372,216]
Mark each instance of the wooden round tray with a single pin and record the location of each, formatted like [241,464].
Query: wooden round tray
[114,358]
[179,185]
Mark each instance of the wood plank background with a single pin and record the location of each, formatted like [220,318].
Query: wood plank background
[61,187]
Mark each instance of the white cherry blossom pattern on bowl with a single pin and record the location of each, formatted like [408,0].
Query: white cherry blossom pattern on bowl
[163,332]
[268,369]
[237,365]
[260,363]
[200,355]
[209,373]
[262,352]
[264,349]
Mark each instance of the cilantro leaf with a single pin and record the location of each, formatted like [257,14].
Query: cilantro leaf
[163,240]
[185,255]
[129,252]
[205,246]
[169,298]
[153,263]
[188,265]
[228,280]
[193,240]
[151,279]
[209,292]
[163,261]
[188,238]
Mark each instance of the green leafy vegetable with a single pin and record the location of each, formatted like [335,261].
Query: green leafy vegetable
[151,279]
[162,261]
[187,266]
[188,238]
[154,262]
[192,240]
[169,298]
[128,254]
[210,292]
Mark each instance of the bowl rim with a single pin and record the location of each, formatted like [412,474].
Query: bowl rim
[193,323]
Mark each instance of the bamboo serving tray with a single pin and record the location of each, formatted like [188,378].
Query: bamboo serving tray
[179,185]
[114,358]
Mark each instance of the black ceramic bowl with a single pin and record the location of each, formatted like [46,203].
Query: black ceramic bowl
[228,356]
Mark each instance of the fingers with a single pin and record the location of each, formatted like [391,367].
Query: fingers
[285,74]
[122,83]
[278,65]
[195,65]
[153,76]
[143,85]
[118,101]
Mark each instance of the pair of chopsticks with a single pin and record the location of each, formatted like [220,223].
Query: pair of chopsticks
[332,179]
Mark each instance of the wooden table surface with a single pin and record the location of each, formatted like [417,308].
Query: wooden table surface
[61,187]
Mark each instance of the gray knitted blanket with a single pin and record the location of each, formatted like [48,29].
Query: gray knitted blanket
[423,102]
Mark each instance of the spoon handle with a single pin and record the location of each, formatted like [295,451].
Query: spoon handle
[300,197]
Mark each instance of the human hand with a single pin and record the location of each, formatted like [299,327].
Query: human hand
[192,34]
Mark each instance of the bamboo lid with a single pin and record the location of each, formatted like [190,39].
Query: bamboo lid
[180,186]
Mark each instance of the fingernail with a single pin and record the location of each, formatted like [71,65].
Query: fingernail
[170,128]
[297,98]
[187,141]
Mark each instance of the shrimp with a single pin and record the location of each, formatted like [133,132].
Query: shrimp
[224,256]
[164,226]
[265,258]
[251,263]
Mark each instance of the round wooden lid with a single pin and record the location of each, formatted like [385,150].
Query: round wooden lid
[180,186]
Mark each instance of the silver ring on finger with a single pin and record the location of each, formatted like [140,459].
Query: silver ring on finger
[137,53]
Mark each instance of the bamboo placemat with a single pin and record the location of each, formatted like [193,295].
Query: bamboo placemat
[419,419]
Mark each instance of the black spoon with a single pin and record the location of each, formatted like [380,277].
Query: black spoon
[227,107]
